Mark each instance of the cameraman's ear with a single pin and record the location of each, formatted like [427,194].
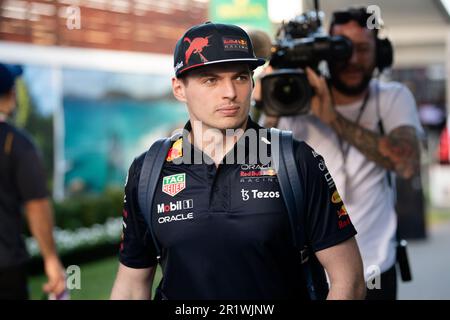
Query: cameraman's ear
[253,82]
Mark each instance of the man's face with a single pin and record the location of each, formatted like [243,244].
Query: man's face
[352,77]
[8,102]
[218,95]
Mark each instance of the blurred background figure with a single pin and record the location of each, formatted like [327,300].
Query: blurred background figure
[377,133]
[262,45]
[22,186]
[363,128]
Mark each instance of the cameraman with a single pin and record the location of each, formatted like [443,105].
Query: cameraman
[365,129]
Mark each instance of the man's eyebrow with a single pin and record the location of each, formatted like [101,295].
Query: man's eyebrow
[206,74]
[243,71]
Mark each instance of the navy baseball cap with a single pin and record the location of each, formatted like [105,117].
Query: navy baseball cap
[8,74]
[212,43]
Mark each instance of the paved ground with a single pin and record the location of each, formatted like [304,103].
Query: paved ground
[430,263]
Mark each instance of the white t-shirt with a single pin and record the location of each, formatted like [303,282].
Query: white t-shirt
[367,196]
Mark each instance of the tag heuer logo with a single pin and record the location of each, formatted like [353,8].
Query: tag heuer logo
[173,184]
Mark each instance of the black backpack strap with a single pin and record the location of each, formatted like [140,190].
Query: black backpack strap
[293,195]
[148,182]
[290,184]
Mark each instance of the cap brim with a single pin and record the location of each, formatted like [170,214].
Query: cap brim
[252,62]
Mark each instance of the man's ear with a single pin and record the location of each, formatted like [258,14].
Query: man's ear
[178,89]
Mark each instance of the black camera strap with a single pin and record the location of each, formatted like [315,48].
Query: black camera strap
[358,118]
[345,147]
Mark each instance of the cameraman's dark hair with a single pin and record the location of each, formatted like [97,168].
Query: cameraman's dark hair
[358,14]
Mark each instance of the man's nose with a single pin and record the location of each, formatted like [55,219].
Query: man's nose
[228,89]
[354,57]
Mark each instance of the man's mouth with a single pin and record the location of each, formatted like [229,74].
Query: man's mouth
[352,71]
[352,74]
[228,110]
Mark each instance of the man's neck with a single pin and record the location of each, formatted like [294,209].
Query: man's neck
[340,98]
[214,142]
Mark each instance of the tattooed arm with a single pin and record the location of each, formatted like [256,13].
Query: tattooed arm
[399,151]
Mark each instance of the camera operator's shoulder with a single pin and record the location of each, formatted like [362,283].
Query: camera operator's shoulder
[393,89]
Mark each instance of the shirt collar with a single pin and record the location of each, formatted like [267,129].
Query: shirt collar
[249,150]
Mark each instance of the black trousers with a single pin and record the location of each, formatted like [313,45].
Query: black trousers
[388,290]
[13,283]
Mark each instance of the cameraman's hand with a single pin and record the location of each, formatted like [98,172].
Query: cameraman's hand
[257,95]
[321,105]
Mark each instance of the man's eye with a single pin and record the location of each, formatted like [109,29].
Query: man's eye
[242,78]
[210,80]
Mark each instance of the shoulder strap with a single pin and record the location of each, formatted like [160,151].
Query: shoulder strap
[7,145]
[290,184]
[293,195]
[148,182]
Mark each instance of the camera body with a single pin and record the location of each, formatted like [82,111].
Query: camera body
[299,44]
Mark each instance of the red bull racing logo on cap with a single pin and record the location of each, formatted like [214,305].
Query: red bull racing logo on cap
[235,44]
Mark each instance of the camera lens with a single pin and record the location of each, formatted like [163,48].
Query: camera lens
[286,90]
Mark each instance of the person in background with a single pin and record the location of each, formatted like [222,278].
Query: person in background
[23,188]
[365,129]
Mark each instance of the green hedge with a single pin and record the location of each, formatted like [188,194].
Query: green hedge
[87,227]
[87,210]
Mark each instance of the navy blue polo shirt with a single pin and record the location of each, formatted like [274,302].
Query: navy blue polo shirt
[224,231]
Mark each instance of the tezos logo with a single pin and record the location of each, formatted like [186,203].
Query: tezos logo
[256,194]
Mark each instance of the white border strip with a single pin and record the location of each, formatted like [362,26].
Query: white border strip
[80,58]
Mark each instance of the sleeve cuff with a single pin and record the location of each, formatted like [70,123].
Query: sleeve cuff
[334,239]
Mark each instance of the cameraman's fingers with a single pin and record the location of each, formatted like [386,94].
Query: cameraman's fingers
[316,82]
[268,70]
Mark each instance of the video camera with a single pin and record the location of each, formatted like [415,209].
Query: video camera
[300,43]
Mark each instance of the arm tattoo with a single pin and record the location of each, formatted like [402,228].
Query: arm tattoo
[403,143]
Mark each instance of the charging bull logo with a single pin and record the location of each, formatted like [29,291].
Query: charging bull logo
[196,46]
